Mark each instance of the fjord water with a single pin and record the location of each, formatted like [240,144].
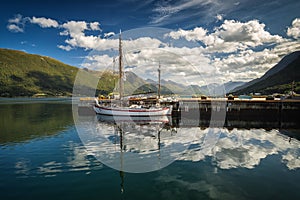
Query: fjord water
[43,157]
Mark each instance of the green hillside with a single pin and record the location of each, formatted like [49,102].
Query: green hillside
[279,82]
[23,74]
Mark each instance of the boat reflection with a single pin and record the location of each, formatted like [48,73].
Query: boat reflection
[134,144]
[134,119]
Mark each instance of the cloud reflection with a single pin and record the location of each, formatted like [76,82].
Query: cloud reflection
[243,148]
[77,159]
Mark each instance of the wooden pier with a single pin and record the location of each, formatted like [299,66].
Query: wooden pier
[278,113]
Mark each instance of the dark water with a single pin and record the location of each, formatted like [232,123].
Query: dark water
[43,157]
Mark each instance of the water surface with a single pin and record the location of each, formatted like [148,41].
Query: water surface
[43,157]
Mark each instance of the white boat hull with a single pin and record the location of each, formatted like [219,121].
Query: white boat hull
[119,111]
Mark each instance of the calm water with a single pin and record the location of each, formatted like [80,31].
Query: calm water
[42,156]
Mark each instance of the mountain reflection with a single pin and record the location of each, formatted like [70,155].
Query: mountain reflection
[21,122]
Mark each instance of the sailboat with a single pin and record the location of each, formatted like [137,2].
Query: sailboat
[133,110]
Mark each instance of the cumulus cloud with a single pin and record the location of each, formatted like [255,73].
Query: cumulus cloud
[231,36]
[251,33]
[183,65]
[241,63]
[246,64]
[197,34]
[286,47]
[294,30]
[98,62]
[74,28]
[239,40]
[91,42]
[44,22]
[78,38]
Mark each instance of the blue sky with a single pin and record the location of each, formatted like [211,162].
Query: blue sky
[239,39]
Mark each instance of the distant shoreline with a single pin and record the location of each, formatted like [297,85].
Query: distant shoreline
[5,100]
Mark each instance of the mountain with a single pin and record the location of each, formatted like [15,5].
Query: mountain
[276,80]
[23,74]
[136,85]
[173,86]
[177,88]
[133,83]
[220,89]
[169,85]
[231,85]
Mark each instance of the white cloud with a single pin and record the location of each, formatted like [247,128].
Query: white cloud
[286,47]
[251,33]
[14,28]
[95,26]
[91,42]
[98,62]
[141,43]
[78,38]
[44,22]
[64,33]
[219,17]
[66,48]
[183,65]
[238,40]
[16,24]
[16,20]
[197,34]
[77,28]
[246,65]
[200,65]
[294,30]
[74,28]
[230,37]
[109,34]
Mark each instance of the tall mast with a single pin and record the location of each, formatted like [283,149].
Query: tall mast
[158,90]
[121,84]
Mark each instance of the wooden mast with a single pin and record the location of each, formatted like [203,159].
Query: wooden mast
[121,84]
[158,89]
